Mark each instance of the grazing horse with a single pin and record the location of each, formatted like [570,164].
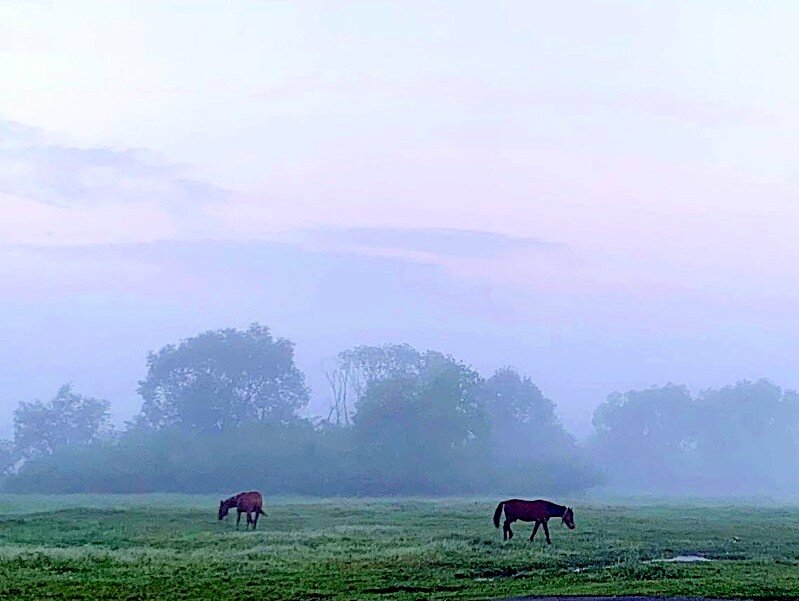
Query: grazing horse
[538,511]
[244,502]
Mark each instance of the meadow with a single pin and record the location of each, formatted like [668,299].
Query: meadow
[173,547]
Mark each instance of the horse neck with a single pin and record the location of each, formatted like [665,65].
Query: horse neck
[554,510]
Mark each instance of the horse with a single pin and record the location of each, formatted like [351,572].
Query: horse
[244,502]
[538,511]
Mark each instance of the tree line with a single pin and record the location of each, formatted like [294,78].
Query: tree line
[739,439]
[222,411]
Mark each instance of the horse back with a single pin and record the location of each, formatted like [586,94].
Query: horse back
[527,511]
[249,501]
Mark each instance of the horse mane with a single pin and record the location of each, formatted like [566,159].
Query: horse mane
[232,500]
[555,508]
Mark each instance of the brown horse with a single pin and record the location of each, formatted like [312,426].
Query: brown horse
[538,511]
[244,502]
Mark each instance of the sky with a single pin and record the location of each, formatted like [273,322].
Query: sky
[603,195]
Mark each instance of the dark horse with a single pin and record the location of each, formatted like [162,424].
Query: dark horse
[244,502]
[538,511]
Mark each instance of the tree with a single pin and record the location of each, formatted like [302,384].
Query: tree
[69,419]
[338,378]
[643,435]
[8,455]
[370,364]
[749,434]
[354,370]
[744,436]
[419,427]
[523,420]
[223,378]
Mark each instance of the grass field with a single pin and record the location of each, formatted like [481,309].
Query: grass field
[171,546]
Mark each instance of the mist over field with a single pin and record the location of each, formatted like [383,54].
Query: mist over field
[399,248]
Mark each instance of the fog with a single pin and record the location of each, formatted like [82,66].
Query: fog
[602,199]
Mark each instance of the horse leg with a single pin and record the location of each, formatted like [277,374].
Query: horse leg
[506,531]
[546,531]
[535,529]
[249,519]
[238,518]
[255,520]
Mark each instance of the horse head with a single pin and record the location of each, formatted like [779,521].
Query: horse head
[568,518]
[224,507]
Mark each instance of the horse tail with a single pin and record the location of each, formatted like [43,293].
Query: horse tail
[498,513]
[261,511]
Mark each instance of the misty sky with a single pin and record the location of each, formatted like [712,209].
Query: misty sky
[601,194]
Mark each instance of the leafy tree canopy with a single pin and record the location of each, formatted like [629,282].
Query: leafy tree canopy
[523,420]
[223,378]
[738,436]
[68,419]
[414,420]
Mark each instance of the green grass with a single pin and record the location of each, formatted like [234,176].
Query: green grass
[171,546]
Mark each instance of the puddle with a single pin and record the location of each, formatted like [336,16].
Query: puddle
[681,559]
